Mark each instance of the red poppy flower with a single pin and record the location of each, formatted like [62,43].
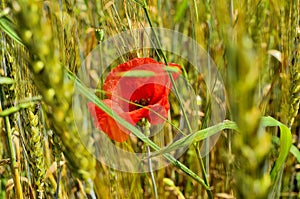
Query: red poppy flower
[106,123]
[136,89]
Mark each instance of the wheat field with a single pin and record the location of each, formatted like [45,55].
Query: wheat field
[230,123]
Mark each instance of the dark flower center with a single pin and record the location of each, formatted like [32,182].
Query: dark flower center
[143,102]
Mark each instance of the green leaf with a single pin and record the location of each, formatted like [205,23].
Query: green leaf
[9,28]
[6,80]
[197,136]
[293,150]
[137,73]
[172,69]
[285,144]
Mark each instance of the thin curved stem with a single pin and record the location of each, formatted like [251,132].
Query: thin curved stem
[146,130]
[206,180]
[152,174]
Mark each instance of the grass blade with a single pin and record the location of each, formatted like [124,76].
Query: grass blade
[180,11]
[9,28]
[293,150]
[285,143]
[197,136]
[137,73]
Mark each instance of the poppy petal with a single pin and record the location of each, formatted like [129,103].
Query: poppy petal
[107,124]
[124,86]
[114,76]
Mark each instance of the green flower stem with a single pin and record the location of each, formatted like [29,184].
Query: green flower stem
[144,6]
[14,164]
[152,174]
[146,130]
[209,193]
[189,172]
